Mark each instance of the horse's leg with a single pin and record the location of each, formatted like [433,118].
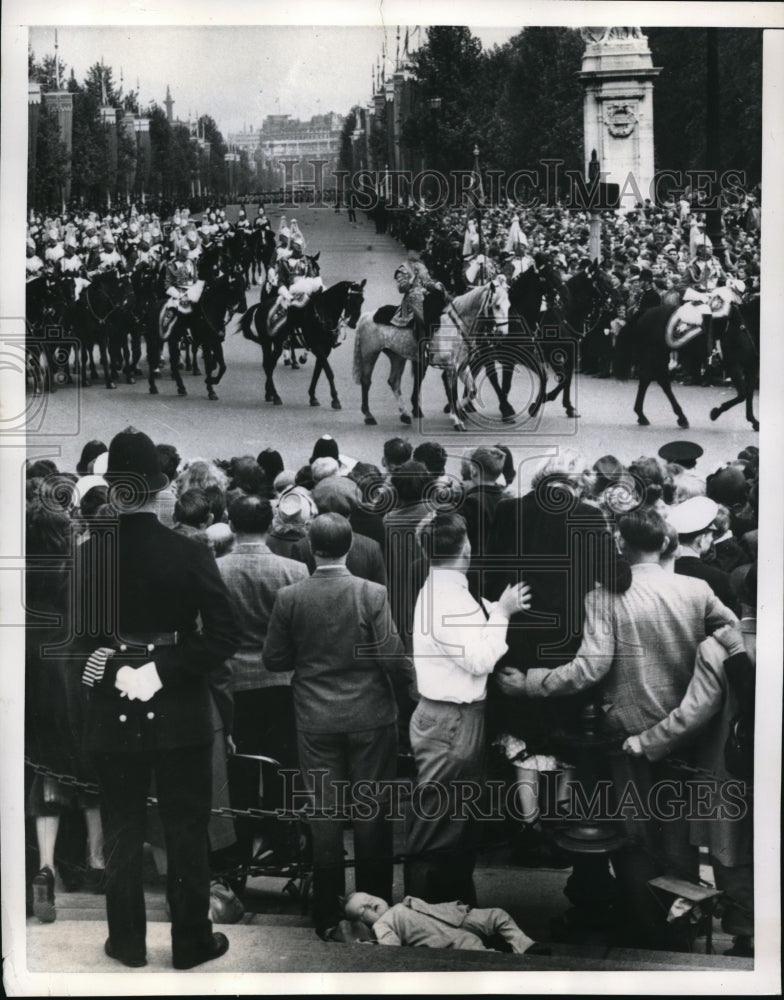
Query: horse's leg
[153,361]
[209,367]
[567,389]
[219,360]
[396,366]
[367,363]
[449,378]
[271,355]
[104,351]
[642,388]
[314,382]
[418,371]
[676,407]
[331,379]
[174,360]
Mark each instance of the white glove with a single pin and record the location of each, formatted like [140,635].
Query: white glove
[125,682]
[147,681]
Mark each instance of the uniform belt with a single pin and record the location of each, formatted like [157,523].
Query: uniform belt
[151,639]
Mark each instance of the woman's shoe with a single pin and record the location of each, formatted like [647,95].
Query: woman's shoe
[43,896]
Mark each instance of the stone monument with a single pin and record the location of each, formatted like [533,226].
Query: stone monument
[617,75]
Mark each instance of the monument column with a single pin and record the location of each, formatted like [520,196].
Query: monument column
[617,75]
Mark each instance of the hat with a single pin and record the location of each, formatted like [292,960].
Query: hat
[133,464]
[693,515]
[325,447]
[683,453]
[727,486]
[83,486]
[296,506]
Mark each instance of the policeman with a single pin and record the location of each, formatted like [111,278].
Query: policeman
[166,637]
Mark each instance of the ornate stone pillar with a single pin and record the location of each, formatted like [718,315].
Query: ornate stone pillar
[618,75]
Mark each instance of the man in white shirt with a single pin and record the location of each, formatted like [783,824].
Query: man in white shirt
[457,643]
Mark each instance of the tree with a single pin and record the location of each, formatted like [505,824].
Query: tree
[51,168]
[680,105]
[346,154]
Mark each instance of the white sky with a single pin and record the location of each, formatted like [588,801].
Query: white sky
[238,74]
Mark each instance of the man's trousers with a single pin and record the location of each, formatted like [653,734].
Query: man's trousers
[448,741]
[183,781]
[326,759]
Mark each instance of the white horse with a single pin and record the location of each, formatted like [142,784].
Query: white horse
[461,322]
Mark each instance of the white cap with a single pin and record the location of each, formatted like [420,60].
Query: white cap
[693,515]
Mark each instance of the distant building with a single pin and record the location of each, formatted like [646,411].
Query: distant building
[283,138]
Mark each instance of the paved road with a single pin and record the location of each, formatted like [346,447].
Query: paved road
[242,423]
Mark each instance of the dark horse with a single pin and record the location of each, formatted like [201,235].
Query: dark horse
[45,306]
[102,317]
[340,304]
[223,295]
[552,336]
[650,339]
[314,324]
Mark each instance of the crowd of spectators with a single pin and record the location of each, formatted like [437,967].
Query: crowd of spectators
[652,550]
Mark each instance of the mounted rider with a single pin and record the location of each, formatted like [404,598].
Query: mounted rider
[182,286]
[517,246]
[107,259]
[34,266]
[704,275]
[413,280]
[243,226]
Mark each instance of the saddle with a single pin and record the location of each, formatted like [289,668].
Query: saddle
[384,315]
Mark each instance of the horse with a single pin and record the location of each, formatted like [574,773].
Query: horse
[649,340]
[40,313]
[470,323]
[465,313]
[99,317]
[338,307]
[269,323]
[549,336]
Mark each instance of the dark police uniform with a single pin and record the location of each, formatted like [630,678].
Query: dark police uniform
[164,584]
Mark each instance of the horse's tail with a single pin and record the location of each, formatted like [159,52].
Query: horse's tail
[246,325]
[358,350]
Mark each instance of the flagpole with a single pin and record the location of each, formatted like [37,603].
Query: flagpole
[480,198]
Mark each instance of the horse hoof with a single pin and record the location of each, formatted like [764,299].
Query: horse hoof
[642,420]
[714,413]
[286,361]
[447,408]
[507,411]
[469,407]
[533,409]
[683,422]
[182,391]
[212,395]
[336,404]
[460,427]
[571,412]
[755,425]
[371,421]
[404,418]
[111,385]
[314,401]
[277,401]
[153,390]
